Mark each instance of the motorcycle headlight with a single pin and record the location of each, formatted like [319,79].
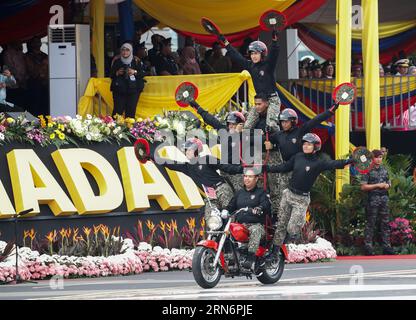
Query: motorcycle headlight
[214,223]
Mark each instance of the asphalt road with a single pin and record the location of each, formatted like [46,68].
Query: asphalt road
[358,279]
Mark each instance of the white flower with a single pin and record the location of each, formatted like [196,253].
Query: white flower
[89,117]
[120,135]
[78,117]
[88,136]
[1,136]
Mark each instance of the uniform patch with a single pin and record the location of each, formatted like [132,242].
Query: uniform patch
[308,168]
[261,72]
[253,196]
[200,167]
[294,140]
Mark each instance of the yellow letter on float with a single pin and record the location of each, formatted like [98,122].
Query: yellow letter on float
[185,187]
[6,207]
[71,164]
[143,182]
[33,184]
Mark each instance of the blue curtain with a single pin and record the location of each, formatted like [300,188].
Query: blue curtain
[126,22]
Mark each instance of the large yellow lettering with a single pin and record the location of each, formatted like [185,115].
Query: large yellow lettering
[184,186]
[71,164]
[33,184]
[6,207]
[143,182]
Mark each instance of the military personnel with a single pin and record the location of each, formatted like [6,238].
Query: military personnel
[274,181]
[234,125]
[402,67]
[203,171]
[261,66]
[306,166]
[329,69]
[255,205]
[289,139]
[377,183]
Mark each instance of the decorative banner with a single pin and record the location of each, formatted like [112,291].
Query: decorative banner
[323,44]
[297,11]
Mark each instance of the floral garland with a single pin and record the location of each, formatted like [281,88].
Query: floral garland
[132,261]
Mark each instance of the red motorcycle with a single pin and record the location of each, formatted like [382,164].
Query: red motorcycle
[226,249]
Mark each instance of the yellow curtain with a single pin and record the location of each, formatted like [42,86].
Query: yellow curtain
[343,74]
[371,71]
[97,17]
[215,90]
[231,15]
[387,29]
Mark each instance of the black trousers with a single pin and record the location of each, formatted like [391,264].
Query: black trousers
[125,102]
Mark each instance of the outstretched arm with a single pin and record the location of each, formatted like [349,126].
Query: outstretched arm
[314,122]
[284,167]
[207,117]
[234,54]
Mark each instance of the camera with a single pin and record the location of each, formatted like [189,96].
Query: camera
[126,71]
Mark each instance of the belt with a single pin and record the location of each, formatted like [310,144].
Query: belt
[298,192]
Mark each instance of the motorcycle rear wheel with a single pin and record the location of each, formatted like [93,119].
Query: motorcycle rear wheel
[204,274]
[273,268]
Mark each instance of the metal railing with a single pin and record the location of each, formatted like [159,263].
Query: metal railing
[395,94]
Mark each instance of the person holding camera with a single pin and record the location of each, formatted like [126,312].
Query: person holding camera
[126,82]
[6,80]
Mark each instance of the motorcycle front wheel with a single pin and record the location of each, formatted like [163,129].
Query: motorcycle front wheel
[273,268]
[202,268]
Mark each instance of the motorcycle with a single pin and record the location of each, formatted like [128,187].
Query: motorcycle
[226,249]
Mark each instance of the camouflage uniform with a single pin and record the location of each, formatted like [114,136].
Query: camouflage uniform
[292,215]
[224,194]
[377,205]
[275,181]
[235,180]
[256,233]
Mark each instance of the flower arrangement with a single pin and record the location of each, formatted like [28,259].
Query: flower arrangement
[401,232]
[133,260]
[311,252]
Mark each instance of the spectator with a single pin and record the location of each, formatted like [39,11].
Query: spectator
[303,72]
[316,70]
[15,60]
[381,70]
[412,71]
[329,69]
[127,82]
[38,78]
[188,61]
[205,66]
[190,42]
[384,152]
[402,67]
[357,70]
[165,62]
[153,53]
[144,59]
[218,61]
[6,80]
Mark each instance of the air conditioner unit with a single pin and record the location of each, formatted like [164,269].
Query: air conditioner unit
[69,67]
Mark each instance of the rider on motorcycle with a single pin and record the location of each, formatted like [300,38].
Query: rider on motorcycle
[253,204]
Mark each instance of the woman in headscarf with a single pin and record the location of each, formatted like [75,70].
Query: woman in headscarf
[127,82]
[188,61]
